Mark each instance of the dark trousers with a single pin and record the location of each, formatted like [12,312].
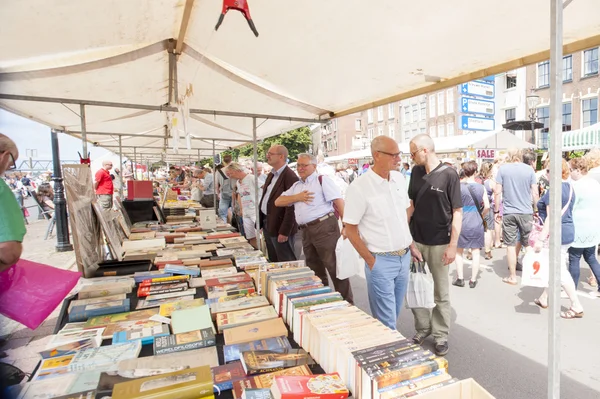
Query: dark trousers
[279,251]
[319,242]
[590,257]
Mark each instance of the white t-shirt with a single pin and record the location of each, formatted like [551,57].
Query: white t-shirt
[247,189]
[378,207]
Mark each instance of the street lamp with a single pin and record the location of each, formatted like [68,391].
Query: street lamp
[532,102]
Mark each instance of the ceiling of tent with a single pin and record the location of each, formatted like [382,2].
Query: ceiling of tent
[312,58]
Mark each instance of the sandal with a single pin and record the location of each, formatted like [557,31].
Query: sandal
[592,281]
[507,280]
[571,314]
[488,255]
[539,303]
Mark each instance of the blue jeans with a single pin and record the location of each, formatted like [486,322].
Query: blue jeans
[386,285]
[224,205]
[589,254]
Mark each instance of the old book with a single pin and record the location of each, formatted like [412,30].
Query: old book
[430,388]
[224,376]
[144,291]
[72,336]
[243,303]
[84,312]
[407,386]
[53,367]
[234,289]
[207,264]
[266,380]
[220,281]
[255,331]
[79,302]
[113,328]
[266,361]
[91,394]
[163,280]
[147,235]
[257,393]
[69,348]
[219,272]
[168,308]
[143,244]
[274,344]
[158,364]
[184,384]
[321,386]
[184,341]
[103,321]
[141,276]
[178,269]
[147,303]
[104,356]
[102,290]
[145,335]
[233,240]
[411,370]
[154,297]
[196,282]
[191,319]
[243,317]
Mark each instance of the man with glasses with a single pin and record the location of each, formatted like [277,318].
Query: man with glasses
[376,224]
[278,224]
[12,224]
[104,185]
[315,199]
[435,215]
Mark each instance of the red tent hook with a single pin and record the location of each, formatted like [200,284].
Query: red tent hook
[241,6]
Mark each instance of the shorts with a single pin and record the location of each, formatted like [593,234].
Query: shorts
[249,228]
[489,219]
[105,201]
[516,227]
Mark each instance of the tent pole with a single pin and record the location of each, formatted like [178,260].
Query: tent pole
[555,149]
[134,163]
[215,181]
[83,130]
[121,169]
[60,204]
[198,160]
[256,199]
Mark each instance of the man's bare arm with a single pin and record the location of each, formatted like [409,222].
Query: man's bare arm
[351,231]
[10,252]
[338,205]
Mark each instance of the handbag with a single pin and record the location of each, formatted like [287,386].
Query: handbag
[478,206]
[536,268]
[419,293]
[538,224]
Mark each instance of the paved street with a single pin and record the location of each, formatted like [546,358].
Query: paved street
[499,337]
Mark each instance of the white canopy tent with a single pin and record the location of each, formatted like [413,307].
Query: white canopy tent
[582,139]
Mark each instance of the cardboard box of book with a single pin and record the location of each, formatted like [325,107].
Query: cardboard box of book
[465,389]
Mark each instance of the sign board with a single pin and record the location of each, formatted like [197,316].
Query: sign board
[485,153]
[217,159]
[474,106]
[475,123]
[479,89]
[352,161]
[491,78]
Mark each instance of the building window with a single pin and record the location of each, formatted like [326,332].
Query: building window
[450,129]
[590,112]
[371,133]
[567,110]
[568,68]
[432,106]
[440,130]
[543,74]
[335,143]
[432,131]
[335,125]
[543,115]
[380,130]
[511,80]
[590,62]
[415,132]
[379,114]
[423,111]
[423,130]
[358,125]
[440,99]
[406,115]
[449,101]
[391,114]
[391,131]
[510,115]
[370,116]
[415,112]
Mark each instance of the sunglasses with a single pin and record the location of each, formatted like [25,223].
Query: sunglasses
[393,155]
[14,163]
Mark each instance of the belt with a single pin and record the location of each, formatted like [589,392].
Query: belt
[316,221]
[400,252]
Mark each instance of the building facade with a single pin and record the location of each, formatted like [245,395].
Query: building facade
[511,99]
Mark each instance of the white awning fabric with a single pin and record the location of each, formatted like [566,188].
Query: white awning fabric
[499,139]
[582,139]
[312,58]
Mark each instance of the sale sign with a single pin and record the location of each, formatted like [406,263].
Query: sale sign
[485,153]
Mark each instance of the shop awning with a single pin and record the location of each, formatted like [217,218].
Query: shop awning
[582,139]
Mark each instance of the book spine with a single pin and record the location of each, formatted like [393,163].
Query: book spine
[418,368]
[163,280]
[391,365]
[144,293]
[429,388]
[380,355]
[358,354]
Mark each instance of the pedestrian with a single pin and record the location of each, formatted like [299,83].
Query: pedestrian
[435,221]
[207,186]
[316,199]
[517,185]
[278,224]
[476,206]
[12,223]
[567,237]
[103,185]
[585,220]
[224,188]
[246,192]
[376,223]
[488,184]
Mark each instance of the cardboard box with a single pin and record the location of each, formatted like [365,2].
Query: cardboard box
[465,389]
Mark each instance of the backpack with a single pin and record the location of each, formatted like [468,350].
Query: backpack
[335,211]
[225,187]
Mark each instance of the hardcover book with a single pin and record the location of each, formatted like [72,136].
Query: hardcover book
[168,308]
[103,321]
[215,272]
[78,302]
[411,370]
[178,269]
[147,303]
[265,361]
[84,312]
[69,348]
[101,290]
[141,276]
[111,329]
[159,364]
[219,281]
[244,317]
[145,335]
[321,386]
[255,331]
[104,356]
[224,376]
[69,337]
[266,380]
[246,302]
[274,344]
[232,291]
[191,319]
[144,291]
[184,341]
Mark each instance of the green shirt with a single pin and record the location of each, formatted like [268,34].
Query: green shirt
[12,223]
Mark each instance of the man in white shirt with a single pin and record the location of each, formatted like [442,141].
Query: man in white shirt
[246,192]
[315,199]
[376,223]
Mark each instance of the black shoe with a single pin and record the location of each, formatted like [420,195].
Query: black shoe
[459,282]
[441,348]
[472,283]
[419,337]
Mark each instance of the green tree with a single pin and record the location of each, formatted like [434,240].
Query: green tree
[296,141]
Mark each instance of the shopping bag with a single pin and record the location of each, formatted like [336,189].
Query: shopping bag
[348,262]
[535,233]
[30,291]
[419,293]
[536,268]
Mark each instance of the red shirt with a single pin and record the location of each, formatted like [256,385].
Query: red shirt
[105,184]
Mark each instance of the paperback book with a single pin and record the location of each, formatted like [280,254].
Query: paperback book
[274,344]
[184,341]
[224,376]
[266,361]
[244,317]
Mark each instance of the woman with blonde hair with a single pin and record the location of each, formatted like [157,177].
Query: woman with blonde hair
[488,184]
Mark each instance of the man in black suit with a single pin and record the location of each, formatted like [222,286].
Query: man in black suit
[278,224]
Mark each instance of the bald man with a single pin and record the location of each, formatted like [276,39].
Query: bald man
[104,186]
[376,223]
[12,224]
[435,216]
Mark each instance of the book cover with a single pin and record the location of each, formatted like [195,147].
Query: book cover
[243,317]
[266,380]
[103,321]
[84,312]
[224,376]
[191,319]
[321,386]
[184,341]
[229,292]
[229,286]
[239,278]
[147,303]
[69,348]
[192,383]
[274,344]
[68,337]
[407,386]
[246,302]
[111,329]
[77,302]
[257,393]
[155,297]
[265,361]
[53,367]
[362,356]
[255,331]
[429,388]
[147,366]
[196,282]
[101,290]
[390,364]
[411,370]
[168,308]
[78,395]
[104,356]
[164,280]
[178,269]
[144,291]
[145,335]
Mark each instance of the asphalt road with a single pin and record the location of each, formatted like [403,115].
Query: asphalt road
[499,336]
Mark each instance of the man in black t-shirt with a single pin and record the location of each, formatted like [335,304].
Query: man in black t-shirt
[435,222]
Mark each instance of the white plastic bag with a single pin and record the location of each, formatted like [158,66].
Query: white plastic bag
[419,293]
[348,261]
[536,268]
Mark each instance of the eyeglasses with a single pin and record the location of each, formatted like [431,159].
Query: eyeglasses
[303,165]
[394,155]
[14,163]
[272,153]
[412,154]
